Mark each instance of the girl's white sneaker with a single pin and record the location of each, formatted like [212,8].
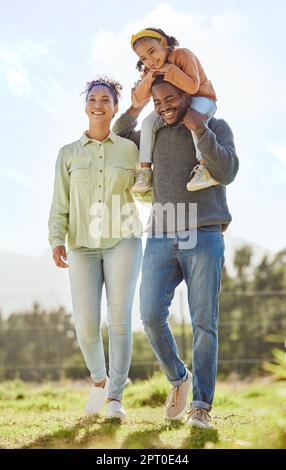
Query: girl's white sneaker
[115,410]
[96,398]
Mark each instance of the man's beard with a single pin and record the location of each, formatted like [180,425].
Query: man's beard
[182,112]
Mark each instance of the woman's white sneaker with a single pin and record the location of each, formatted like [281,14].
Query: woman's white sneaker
[96,398]
[115,410]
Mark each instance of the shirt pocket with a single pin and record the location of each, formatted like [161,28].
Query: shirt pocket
[80,172]
[123,177]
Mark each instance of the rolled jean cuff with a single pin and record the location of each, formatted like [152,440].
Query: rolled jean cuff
[99,378]
[201,404]
[176,383]
[113,397]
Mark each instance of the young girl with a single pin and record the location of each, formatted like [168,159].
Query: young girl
[160,56]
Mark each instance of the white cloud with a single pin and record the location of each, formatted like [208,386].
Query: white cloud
[212,40]
[27,69]
[248,98]
[280,153]
[277,172]
[222,44]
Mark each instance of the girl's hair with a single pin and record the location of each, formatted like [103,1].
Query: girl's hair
[171,41]
[114,87]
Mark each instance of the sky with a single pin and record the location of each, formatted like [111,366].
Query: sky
[50,49]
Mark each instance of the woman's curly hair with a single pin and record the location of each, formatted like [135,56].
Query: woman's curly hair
[171,41]
[114,87]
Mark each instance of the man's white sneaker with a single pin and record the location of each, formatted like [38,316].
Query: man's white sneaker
[177,400]
[96,398]
[115,410]
[200,179]
[199,418]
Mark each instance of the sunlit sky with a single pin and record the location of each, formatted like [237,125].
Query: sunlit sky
[49,49]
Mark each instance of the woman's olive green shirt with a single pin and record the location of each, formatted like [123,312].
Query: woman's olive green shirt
[92,204]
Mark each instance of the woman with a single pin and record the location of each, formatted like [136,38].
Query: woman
[93,206]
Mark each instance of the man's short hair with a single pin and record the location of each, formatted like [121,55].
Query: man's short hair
[160,79]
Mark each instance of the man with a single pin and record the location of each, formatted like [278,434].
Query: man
[168,260]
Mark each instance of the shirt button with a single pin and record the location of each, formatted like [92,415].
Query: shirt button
[100,171]
[100,156]
[99,185]
[100,200]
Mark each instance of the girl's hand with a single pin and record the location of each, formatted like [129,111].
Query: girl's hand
[162,70]
[60,256]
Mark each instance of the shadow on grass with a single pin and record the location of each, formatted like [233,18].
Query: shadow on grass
[149,438]
[87,432]
[199,437]
[156,398]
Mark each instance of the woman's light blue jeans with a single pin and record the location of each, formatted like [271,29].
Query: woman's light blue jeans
[153,122]
[165,266]
[118,268]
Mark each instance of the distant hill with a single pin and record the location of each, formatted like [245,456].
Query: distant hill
[26,279]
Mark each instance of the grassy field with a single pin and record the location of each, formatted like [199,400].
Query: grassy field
[50,416]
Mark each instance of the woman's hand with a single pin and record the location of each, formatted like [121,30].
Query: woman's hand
[137,106]
[60,256]
[135,102]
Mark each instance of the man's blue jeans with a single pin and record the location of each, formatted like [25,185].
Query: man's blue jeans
[166,263]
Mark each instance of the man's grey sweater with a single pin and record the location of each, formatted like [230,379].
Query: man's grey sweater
[174,157]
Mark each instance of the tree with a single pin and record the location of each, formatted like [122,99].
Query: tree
[242,260]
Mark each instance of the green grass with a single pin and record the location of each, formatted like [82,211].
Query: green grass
[50,416]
